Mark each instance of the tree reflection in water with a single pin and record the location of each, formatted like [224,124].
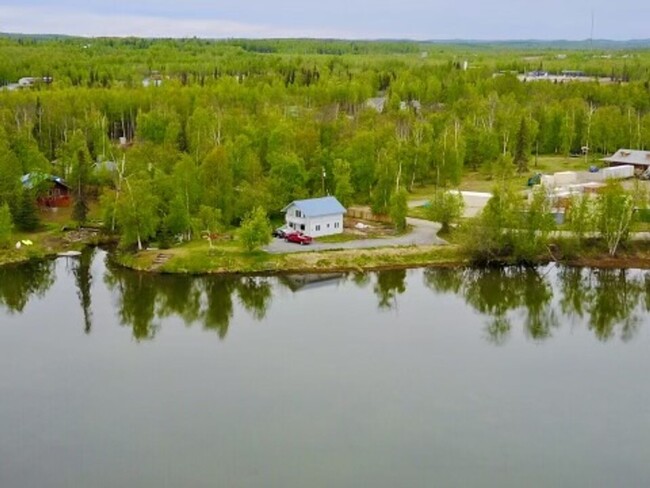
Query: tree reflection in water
[219,309]
[136,300]
[143,299]
[606,298]
[18,284]
[497,293]
[611,302]
[255,295]
[610,298]
[83,281]
[388,285]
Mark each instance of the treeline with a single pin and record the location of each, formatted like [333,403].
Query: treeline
[124,62]
[230,130]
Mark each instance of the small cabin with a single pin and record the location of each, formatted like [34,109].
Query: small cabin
[52,191]
[316,217]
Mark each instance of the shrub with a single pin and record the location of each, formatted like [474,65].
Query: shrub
[255,230]
[446,208]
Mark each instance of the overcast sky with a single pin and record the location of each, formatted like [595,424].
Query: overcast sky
[358,19]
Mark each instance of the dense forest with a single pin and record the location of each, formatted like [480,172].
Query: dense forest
[170,135]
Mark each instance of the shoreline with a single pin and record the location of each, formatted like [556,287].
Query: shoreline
[197,260]
[261,263]
[48,245]
[379,259]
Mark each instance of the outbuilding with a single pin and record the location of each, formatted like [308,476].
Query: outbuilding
[316,217]
[639,159]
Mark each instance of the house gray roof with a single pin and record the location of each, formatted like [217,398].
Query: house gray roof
[630,156]
[317,207]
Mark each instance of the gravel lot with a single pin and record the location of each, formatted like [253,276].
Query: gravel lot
[474,202]
[423,233]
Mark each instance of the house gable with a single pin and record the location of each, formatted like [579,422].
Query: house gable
[316,217]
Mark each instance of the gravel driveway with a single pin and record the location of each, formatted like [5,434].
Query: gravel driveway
[474,202]
[423,233]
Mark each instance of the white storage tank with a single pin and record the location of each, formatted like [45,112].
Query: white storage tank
[618,172]
[548,181]
[566,178]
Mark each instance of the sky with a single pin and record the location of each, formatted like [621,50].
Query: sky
[351,19]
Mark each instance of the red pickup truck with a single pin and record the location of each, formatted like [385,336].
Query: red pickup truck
[298,238]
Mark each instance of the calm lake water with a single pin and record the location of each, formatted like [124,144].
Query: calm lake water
[421,378]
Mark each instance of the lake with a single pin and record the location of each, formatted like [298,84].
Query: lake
[429,377]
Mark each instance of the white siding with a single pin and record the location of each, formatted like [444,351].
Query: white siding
[325,226]
[315,226]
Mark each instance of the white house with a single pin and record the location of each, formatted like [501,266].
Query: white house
[316,217]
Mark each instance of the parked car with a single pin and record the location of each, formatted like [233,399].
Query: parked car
[281,232]
[298,238]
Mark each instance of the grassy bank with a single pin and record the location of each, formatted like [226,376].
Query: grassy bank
[48,243]
[197,258]
[57,233]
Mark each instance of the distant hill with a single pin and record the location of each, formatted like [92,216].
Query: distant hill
[512,44]
[554,44]
[45,37]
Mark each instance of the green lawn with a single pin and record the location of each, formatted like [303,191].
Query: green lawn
[419,213]
[336,238]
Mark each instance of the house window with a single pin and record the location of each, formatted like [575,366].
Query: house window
[328,226]
[317,228]
[336,225]
[302,226]
[298,213]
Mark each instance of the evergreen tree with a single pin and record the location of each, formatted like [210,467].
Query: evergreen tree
[6,225]
[80,178]
[27,218]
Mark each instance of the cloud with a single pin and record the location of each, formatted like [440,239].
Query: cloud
[48,20]
[359,19]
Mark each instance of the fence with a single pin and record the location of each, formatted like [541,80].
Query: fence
[364,213]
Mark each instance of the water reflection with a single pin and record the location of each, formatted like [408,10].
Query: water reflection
[609,299]
[497,292]
[609,302]
[142,300]
[255,295]
[18,284]
[83,281]
[388,285]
